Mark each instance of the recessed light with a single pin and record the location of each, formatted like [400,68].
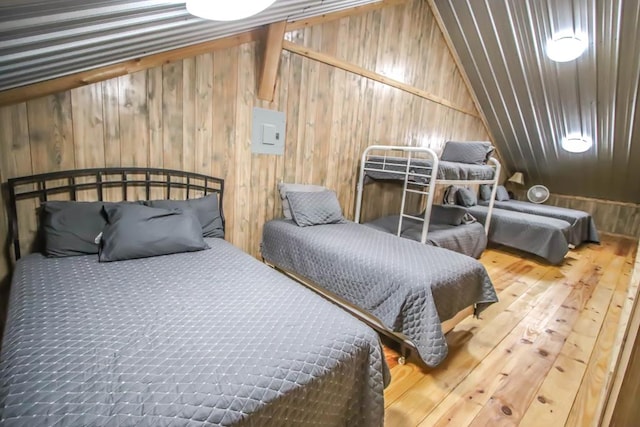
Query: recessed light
[566,48]
[218,10]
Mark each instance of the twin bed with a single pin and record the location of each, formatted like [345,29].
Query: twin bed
[206,337]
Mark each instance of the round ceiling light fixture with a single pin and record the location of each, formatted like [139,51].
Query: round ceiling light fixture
[566,48]
[218,10]
[576,144]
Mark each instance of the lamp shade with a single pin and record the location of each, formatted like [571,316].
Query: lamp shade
[517,177]
[218,10]
[567,48]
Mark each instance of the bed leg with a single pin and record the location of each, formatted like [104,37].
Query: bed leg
[404,352]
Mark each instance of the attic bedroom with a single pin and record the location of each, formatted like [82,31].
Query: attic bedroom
[328,212]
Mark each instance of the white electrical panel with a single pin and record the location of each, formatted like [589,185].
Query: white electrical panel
[268,132]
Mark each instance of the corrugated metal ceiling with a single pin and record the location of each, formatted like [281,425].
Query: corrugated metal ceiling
[531,102]
[40,40]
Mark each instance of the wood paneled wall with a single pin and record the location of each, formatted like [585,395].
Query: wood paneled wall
[195,114]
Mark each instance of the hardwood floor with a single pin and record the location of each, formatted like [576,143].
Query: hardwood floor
[539,357]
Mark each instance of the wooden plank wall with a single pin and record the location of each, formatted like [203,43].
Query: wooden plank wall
[609,216]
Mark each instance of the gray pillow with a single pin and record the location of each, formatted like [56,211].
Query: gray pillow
[447,215]
[502,194]
[205,208]
[284,188]
[314,208]
[485,192]
[471,152]
[137,231]
[70,228]
[466,197]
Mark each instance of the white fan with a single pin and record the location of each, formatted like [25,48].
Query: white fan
[538,194]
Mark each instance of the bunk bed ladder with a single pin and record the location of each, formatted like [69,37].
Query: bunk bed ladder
[426,191]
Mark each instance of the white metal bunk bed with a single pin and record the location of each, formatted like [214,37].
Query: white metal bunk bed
[420,170]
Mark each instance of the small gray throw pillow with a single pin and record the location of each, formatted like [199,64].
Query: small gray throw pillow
[447,215]
[502,194]
[315,208]
[284,188]
[471,152]
[485,192]
[136,231]
[466,197]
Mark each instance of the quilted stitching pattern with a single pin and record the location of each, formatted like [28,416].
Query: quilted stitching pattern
[409,286]
[542,236]
[313,208]
[207,338]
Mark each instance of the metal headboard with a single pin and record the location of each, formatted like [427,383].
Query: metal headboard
[72,181]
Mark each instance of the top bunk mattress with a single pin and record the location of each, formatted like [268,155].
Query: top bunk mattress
[205,338]
[410,287]
[384,168]
[583,228]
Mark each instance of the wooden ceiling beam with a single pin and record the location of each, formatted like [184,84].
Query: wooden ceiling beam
[356,69]
[271,60]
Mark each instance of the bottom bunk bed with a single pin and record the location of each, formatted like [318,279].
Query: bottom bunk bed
[411,288]
[541,236]
[447,229]
[583,228]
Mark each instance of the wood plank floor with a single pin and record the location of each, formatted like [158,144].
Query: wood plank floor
[537,358]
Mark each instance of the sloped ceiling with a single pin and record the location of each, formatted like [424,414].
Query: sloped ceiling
[45,39]
[531,102]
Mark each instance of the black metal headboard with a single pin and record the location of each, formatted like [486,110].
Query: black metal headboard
[73,181]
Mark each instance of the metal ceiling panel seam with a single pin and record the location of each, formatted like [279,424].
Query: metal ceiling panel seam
[41,40]
[531,102]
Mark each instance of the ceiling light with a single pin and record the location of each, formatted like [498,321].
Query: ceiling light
[229,10]
[576,144]
[567,48]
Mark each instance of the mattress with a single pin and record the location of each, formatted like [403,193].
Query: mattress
[409,287]
[542,236]
[199,339]
[467,239]
[395,167]
[583,228]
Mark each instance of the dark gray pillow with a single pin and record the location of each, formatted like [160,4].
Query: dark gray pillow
[314,208]
[502,194]
[137,231]
[466,197]
[447,215]
[471,152]
[284,187]
[485,192]
[70,228]
[205,208]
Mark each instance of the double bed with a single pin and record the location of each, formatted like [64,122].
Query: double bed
[209,337]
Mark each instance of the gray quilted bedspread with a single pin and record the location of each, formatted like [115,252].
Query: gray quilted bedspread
[199,339]
[539,235]
[408,286]
[446,170]
[468,239]
[583,228]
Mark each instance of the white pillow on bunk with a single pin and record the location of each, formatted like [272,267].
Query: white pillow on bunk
[300,188]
